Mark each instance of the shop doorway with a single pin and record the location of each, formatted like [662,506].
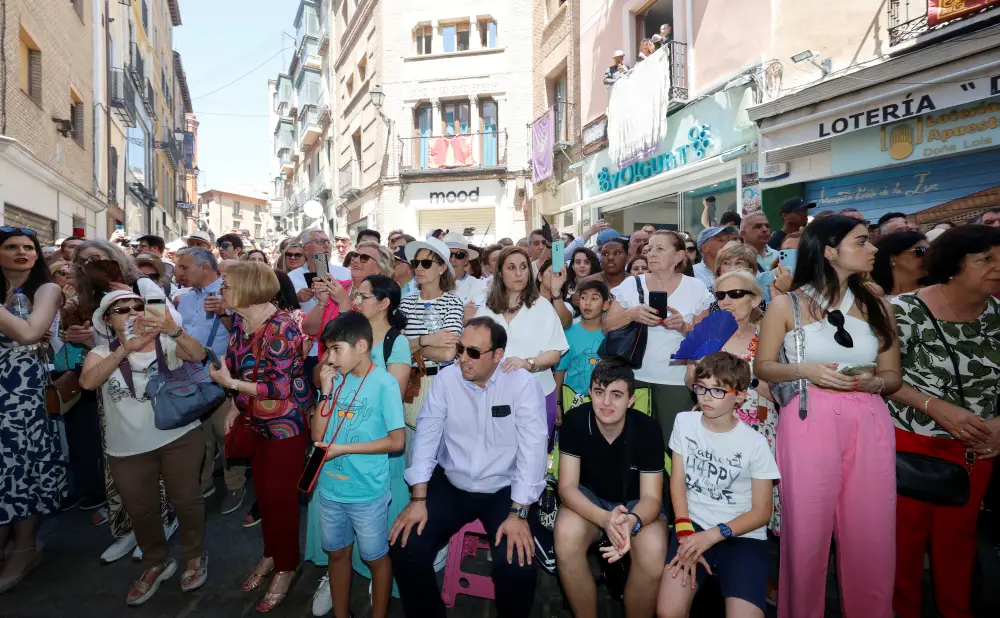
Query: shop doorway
[661,213]
[693,205]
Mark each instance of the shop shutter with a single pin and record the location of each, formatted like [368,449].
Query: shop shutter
[480,220]
[16,217]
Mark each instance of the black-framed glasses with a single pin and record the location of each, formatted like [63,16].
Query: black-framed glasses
[425,264]
[842,337]
[126,309]
[295,256]
[919,251]
[459,255]
[734,294]
[716,393]
[474,353]
[26,231]
[691,249]
[362,257]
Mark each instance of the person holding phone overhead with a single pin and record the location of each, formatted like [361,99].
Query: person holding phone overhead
[660,381]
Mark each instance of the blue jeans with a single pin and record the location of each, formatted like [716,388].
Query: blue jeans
[341,521]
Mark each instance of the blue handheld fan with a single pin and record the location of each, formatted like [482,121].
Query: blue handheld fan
[707,336]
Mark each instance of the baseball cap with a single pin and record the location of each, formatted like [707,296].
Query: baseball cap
[618,52]
[400,254]
[605,235]
[795,204]
[711,232]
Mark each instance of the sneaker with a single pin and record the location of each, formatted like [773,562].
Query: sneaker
[252,518]
[168,531]
[119,549]
[233,500]
[208,492]
[100,517]
[93,502]
[322,601]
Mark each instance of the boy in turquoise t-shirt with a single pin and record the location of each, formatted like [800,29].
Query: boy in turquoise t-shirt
[361,427]
[574,369]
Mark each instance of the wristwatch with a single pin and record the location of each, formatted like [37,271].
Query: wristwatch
[638,523]
[520,511]
[727,532]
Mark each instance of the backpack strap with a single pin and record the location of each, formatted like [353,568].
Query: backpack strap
[638,287]
[215,331]
[387,343]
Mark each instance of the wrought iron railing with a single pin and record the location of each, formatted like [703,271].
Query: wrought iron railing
[678,71]
[908,19]
[319,188]
[122,97]
[349,178]
[149,98]
[441,153]
[136,66]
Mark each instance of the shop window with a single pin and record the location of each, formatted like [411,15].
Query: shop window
[424,36]
[487,33]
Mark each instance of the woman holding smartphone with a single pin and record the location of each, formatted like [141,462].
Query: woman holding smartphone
[837,453]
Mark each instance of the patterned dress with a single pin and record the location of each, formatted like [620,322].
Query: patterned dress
[32,465]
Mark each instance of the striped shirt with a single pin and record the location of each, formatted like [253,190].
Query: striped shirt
[424,317]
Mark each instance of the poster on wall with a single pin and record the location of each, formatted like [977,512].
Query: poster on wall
[750,195]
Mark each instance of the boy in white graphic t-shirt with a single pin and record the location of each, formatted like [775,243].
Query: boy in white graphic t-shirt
[721,490]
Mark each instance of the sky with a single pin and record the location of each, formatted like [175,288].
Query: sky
[219,41]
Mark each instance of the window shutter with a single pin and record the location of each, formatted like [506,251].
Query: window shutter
[35,75]
[76,113]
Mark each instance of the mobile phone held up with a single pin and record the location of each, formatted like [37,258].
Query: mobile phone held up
[787,257]
[155,307]
[309,476]
[558,256]
[322,261]
[658,301]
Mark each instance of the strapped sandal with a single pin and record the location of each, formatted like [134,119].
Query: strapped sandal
[36,561]
[256,578]
[146,591]
[273,599]
[192,579]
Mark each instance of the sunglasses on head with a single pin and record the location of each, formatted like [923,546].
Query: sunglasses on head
[362,257]
[459,255]
[27,232]
[474,353]
[425,264]
[125,309]
[734,294]
[295,256]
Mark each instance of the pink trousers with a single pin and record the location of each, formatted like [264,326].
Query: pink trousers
[838,476]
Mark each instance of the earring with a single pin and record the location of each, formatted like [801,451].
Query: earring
[894,263]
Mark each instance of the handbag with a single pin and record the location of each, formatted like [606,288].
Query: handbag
[628,343]
[238,442]
[63,393]
[928,478]
[785,392]
[417,371]
[181,396]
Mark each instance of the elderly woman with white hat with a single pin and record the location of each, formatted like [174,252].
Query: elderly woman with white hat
[469,288]
[139,454]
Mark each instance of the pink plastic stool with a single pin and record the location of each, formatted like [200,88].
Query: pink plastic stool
[466,542]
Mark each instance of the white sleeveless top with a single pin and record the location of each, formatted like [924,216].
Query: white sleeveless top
[820,346]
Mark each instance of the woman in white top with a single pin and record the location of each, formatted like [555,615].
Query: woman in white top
[138,453]
[661,390]
[836,455]
[535,337]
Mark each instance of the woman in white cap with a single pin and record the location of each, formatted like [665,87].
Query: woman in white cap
[470,289]
[139,454]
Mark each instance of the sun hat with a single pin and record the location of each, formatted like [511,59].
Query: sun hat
[100,326]
[455,240]
[151,260]
[433,244]
[198,235]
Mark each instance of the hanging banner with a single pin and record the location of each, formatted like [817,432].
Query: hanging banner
[450,152]
[943,11]
[542,135]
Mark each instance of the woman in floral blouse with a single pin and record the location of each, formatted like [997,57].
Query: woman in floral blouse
[945,413]
[265,356]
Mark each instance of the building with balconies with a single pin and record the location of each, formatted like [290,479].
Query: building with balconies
[893,107]
[243,211]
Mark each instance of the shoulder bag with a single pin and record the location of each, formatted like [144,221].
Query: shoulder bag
[183,395]
[932,479]
[785,392]
[628,343]
[239,441]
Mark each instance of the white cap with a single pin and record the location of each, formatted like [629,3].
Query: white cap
[618,52]
[454,240]
[199,235]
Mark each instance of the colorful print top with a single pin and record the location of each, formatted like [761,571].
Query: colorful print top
[927,367]
[283,392]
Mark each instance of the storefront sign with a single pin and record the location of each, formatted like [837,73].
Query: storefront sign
[945,132]
[700,140]
[877,115]
[943,11]
[452,197]
[458,194]
[774,171]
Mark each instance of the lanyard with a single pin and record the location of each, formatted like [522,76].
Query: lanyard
[336,395]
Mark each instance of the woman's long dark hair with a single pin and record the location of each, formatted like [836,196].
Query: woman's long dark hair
[812,268]
[595,266]
[39,274]
[889,247]
[386,287]
[286,299]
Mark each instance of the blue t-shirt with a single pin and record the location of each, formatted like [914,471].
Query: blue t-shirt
[377,410]
[400,352]
[580,360]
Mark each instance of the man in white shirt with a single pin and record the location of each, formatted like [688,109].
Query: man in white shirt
[479,453]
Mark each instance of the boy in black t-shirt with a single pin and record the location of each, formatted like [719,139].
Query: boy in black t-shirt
[611,485]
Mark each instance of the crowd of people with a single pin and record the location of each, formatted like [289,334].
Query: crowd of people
[432,383]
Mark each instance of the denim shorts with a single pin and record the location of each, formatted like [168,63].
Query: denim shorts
[368,521]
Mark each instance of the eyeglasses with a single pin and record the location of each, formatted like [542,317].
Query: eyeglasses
[474,353]
[90,260]
[734,294]
[425,264]
[919,251]
[62,272]
[225,245]
[361,256]
[126,309]
[842,337]
[27,232]
[325,242]
[459,255]
[716,393]
[360,298]
[295,256]
[691,249]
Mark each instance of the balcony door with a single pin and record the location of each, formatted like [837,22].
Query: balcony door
[424,128]
[490,124]
[455,117]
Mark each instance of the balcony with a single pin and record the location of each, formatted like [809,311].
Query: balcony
[136,66]
[678,73]
[285,160]
[349,179]
[319,188]
[309,128]
[453,153]
[122,97]
[149,98]
[283,95]
[910,19]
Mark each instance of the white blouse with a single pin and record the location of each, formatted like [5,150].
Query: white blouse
[533,330]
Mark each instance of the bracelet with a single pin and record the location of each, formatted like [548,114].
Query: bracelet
[927,403]
[683,527]
[177,333]
[416,499]
[882,387]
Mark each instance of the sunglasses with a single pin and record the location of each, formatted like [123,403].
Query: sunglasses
[691,249]
[90,260]
[716,393]
[225,245]
[27,232]
[474,353]
[842,337]
[459,255]
[126,309]
[734,294]
[919,251]
[425,264]
[361,256]
[63,273]
[295,256]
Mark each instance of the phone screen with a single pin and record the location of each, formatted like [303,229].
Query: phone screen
[558,256]
[309,277]
[658,301]
[322,264]
[311,473]
[155,307]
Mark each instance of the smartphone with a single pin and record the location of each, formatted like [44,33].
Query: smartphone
[208,314]
[309,476]
[119,228]
[155,307]
[309,277]
[558,256]
[213,357]
[322,264]
[787,257]
[658,301]
[853,369]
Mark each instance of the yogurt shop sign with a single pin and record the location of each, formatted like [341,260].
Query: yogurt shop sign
[699,141]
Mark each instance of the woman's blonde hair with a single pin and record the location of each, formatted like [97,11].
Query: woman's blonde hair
[251,283]
[735,250]
[745,277]
[497,300]
[383,258]
[55,266]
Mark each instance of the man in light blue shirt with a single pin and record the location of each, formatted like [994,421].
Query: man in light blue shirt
[206,320]
[710,241]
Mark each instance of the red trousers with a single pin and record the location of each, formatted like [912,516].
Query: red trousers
[277,466]
[950,529]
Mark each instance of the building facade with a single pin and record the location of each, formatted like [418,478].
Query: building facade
[246,212]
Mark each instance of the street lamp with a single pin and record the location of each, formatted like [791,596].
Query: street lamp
[377,96]
[178,135]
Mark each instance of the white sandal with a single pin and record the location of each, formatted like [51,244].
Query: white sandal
[167,570]
[201,570]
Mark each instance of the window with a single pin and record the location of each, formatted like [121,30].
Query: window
[350,86]
[424,34]
[256,212]
[487,33]
[31,68]
[422,129]
[455,37]
[455,118]
[256,231]
[362,68]
[463,37]
[78,7]
[236,208]
[76,118]
[113,176]
[490,134]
